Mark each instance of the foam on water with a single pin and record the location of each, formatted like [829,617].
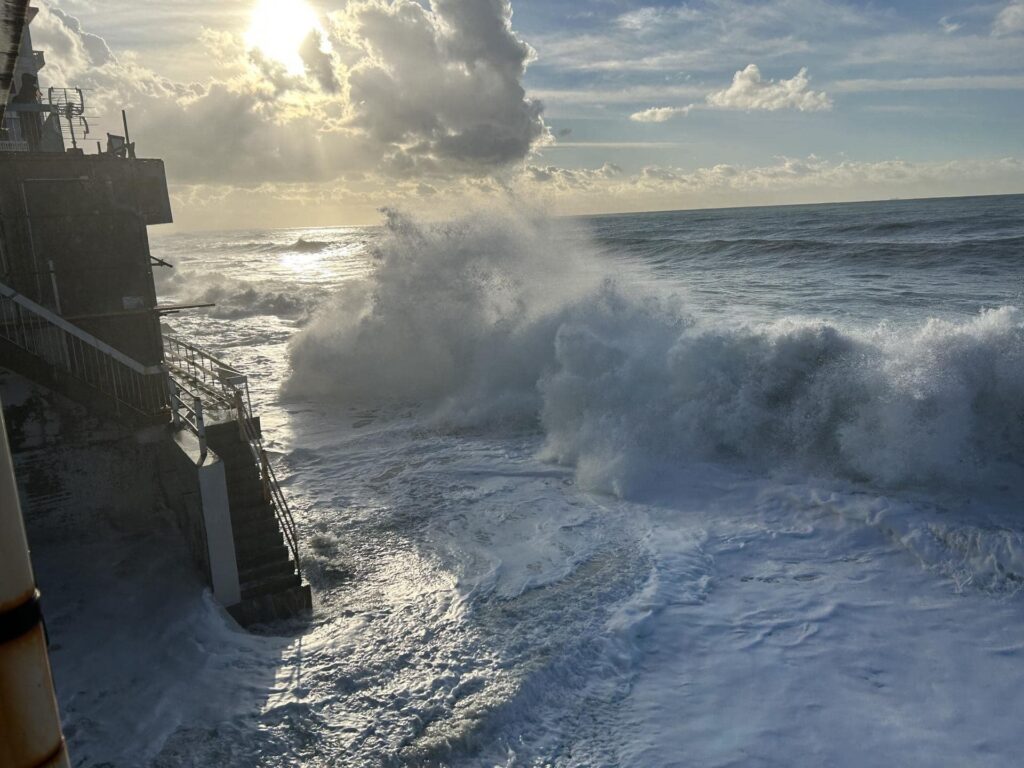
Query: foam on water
[809,420]
[496,319]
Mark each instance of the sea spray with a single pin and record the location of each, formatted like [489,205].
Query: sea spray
[493,319]
[459,316]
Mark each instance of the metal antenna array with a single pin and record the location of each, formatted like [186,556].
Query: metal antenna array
[69,104]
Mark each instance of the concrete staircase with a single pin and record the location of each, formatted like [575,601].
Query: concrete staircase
[272,588]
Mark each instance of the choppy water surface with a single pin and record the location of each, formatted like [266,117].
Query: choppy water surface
[703,488]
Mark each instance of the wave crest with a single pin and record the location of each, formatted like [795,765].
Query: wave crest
[514,320]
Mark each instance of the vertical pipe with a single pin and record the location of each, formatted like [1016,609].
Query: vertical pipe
[53,285]
[197,404]
[265,475]
[175,415]
[29,719]
[127,139]
[240,411]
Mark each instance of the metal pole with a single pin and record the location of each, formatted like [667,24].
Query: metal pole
[175,415]
[29,719]
[240,410]
[197,405]
[127,140]
[53,284]
[265,472]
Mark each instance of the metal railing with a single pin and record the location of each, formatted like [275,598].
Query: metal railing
[134,387]
[203,373]
[187,411]
[11,139]
[196,372]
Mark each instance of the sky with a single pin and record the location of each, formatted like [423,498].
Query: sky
[272,113]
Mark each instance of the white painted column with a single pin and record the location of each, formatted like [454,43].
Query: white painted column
[220,536]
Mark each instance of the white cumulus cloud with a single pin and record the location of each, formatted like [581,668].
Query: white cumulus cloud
[660,114]
[749,90]
[440,83]
[1010,20]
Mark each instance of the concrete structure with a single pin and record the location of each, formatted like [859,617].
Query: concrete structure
[80,323]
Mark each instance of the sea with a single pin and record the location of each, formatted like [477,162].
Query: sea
[737,487]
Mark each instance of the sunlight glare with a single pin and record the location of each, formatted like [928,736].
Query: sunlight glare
[278,28]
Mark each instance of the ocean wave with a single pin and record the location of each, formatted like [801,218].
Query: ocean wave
[300,245]
[497,320]
[235,298]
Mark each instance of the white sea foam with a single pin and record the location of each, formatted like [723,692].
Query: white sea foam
[475,606]
[497,319]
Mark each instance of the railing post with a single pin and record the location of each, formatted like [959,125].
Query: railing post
[240,410]
[265,475]
[172,387]
[200,426]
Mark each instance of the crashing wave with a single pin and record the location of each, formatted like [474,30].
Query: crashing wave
[515,320]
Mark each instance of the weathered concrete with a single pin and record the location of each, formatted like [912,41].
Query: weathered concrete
[196,488]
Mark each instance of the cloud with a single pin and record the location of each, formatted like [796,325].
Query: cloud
[572,178]
[948,83]
[749,90]
[648,18]
[96,47]
[660,114]
[787,180]
[441,85]
[391,88]
[949,26]
[1010,20]
[318,61]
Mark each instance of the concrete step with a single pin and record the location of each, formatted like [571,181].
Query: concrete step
[245,496]
[270,585]
[251,558]
[254,526]
[259,548]
[266,570]
[236,457]
[295,601]
[258,509]
[242,474]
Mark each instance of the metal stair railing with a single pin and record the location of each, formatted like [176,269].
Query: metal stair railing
[187,411]
[138,388]
[193,369]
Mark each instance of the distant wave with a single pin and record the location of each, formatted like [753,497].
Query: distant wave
[241,298]
[301,245]
[496,321]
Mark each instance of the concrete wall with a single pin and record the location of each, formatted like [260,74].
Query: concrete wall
[195,487]
[76,470]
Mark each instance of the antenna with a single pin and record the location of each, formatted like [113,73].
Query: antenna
[69,105]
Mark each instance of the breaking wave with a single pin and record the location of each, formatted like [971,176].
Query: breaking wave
[501,321]
[235,298]
[300,245]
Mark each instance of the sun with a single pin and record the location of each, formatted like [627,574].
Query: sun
[279,28]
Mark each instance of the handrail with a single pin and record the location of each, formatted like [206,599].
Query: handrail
[218,379]
[66,347]
[272,493]
[193,414]
[74,330]
[227,389]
